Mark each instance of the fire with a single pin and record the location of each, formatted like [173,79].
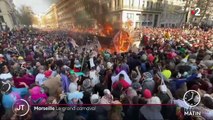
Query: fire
[107,30]
[122,41]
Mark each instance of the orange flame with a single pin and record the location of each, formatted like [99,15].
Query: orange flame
[122,41]
[107,30]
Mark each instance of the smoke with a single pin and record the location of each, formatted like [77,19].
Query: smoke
[96,9]
[51,1]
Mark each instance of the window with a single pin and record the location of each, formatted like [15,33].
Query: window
[147,6]
[139,3]
[1,19]
[157,5]
[143,17]
[143,4]
[138,17]
[131,3]
[151,3]
[130,15]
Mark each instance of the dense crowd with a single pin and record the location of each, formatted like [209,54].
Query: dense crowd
[48,67]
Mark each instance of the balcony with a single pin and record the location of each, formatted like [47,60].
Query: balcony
[137,8]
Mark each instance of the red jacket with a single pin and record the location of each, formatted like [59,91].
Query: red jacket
[77,69]
[124,84]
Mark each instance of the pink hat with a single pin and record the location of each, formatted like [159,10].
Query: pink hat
[171,55]
[35,90]
[48,73]
[151,57]
[147,94]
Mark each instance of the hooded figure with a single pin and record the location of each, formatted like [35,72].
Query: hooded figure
[148,82]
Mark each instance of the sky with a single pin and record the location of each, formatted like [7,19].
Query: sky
[38,6]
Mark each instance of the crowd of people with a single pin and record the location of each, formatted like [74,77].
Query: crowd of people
[50,67]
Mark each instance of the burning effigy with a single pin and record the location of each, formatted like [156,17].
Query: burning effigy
[122,41]
[110,39]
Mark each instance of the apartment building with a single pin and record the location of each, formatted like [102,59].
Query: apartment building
[172,14]
[151,13]
[50,19]
[7,14]
[139,12]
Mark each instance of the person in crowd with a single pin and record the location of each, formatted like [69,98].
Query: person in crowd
[10,95]
[60,69]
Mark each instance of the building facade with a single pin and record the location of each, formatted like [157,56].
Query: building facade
[50,19]
[7,14]
[172,14]
[138,12]
[122,13]
[75,12]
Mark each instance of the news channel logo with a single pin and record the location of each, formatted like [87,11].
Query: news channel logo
[21,107]
[192,98]
[196,12]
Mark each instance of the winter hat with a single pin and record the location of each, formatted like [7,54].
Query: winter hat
[136,86]
[48,73]
[147,76]
[171,55]
[95,99]
[151,58]
[147,94]
[1,56]
[182,50]
[154,100]
[20,58]
[73,87]
[37,94]
[107,92]
[86,83]
[143,57]
[77,64]
[167,73]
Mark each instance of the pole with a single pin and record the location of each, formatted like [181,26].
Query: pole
[82,62]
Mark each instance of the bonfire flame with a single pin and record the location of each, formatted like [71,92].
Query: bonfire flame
[107,30]
[122,41]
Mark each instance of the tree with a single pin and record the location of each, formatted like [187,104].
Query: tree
[205,7]
[187,4]
[25,15]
